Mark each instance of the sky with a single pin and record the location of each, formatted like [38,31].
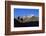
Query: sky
[25,12]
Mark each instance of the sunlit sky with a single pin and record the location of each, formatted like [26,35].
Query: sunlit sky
[26,12]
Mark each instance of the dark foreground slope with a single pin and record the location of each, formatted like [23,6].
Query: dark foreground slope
[29,24]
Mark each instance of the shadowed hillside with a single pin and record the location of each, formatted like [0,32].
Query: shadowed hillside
[33,21]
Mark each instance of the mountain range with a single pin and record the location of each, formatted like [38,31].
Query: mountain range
[24,19]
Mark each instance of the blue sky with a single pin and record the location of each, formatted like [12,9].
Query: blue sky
[25,12]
